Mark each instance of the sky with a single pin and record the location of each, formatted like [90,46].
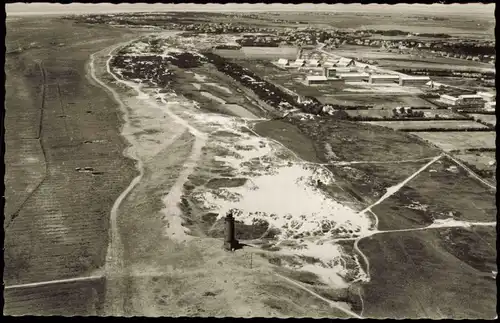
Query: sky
[75,8]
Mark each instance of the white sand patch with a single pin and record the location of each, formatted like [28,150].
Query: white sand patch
[223,88]
[213,97]
[199,77]
[197,86]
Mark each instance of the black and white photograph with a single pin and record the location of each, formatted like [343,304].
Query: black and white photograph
[250,160]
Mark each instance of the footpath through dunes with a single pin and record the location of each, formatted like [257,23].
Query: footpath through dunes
[166,251]
[64,168]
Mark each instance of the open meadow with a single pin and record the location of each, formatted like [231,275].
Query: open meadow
[64,163]
[437,273]
[434,124]
[449,141]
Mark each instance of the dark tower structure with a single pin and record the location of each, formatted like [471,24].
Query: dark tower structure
[230,242]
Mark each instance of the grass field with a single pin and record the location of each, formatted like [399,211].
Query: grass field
[349,141]
[73,123]
[375,100]
[481,160]
[445,124]
[290,136]
[394,60]
[265,53]
[433,194]
[387,113]
[431,274]
[459,140]
[486,118]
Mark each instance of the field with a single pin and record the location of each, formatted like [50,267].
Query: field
[449,141]
[213,92]
[419,203]
[442,124]
[483,163]
[266,53]
[486,118]
[57,121]
[387,113]
[394,60]
[482,160]
[378,101]
[439,273]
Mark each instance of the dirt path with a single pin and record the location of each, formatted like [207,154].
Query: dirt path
[114,257]
[471,172]
[395,188]
[52,282]
[331,303]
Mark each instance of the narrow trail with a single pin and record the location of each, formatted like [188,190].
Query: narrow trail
[331,303]
[471,172]
[52,282]
[114,257]
[394,189]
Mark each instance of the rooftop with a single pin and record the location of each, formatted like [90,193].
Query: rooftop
[410,77]
[380,76]
[470,96]
[353,74]
[316,78]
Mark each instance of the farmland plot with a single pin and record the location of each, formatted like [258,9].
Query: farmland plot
[490,119]
[446,124]
[443,191]
[405,265]
[67,216]
[459,140]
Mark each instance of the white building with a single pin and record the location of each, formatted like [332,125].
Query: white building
[471,99]
[487,96]
[298,63]
[321,79]
[413,80]
[283,61]
[315,79]
[313,63]
[448,99]
[490,105]
[353,77]
[383,78]
[329,63]
[346,62]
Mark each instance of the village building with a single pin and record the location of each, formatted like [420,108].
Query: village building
[346,62]
[487,96]
[321,79]
[472,100]
[329,63]
[312,63]
[413,80]
[298,63]
[353,77]
[315,79]
[383,78]
[490,105]
[283,61]
[448,99]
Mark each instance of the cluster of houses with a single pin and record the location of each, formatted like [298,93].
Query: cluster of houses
[484,100]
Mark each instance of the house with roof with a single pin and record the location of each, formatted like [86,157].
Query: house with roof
[346,62]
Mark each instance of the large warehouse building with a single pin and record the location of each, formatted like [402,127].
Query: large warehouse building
[321,79]
[383,78]
[413,80]
[353,77]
